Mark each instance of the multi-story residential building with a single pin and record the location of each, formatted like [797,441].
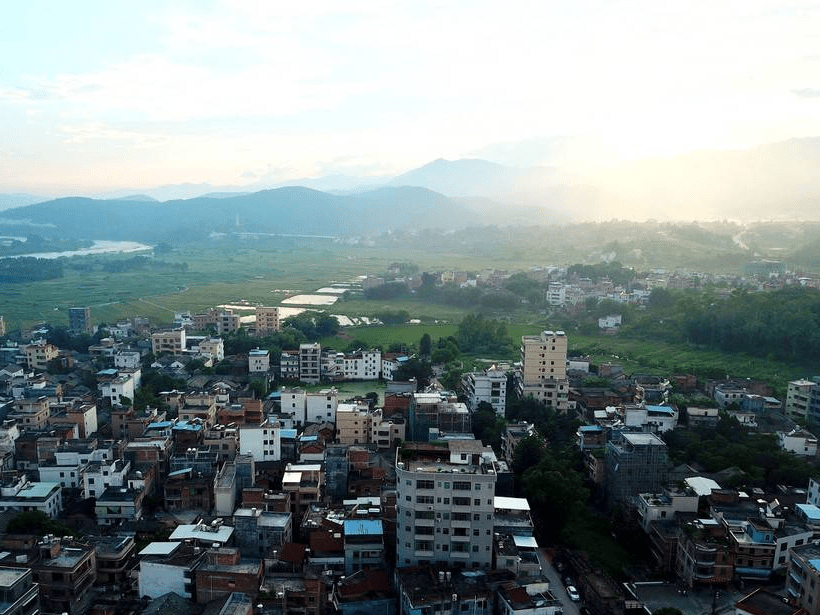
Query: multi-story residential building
[431,414]
[798,441]
[267,321]
[258,361]
[66,573]
[222,573]
[646,417]
[79,321]
[114,559]
[38,355]
[813,411]
[173,342]
[425,589]
[117,505]
[635,463]
[798,395]
[556,294]
[263,442]
[803,578]
[258,532]
[544,369]
[2,326]
[114,388]
[305,484]
[363,365]
[353,423]
[99,475]
[213,347]
[703,554]
[19,494]
[321,406]
[168,567]
[669,502]
[20,591]
[489,386]
[310,363]
[363,544]
[31,413]
[127,359]
[289,365]
[444,504]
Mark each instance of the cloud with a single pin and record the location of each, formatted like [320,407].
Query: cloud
[807,92]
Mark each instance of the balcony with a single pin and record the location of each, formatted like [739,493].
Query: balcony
[460,538]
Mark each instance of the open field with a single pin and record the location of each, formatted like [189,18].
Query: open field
[257,271]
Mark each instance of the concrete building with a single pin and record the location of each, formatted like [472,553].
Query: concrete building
[635,463]
[489,386]
[79,321]
[20,495]
[66,573]
[353,423]
[444,504]
[213,347]
[803,577]
[258,361]
[168,567]
[310,363]
[289,365]
[262,442]
[260,532]
[798,394]
[267,321]
[114,389]
[173,342]
[798,441]
[544,369]
[430,415]
[127,359]
[39,354]
[21,592]
[363,365]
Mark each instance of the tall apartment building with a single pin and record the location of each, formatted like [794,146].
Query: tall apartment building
[39,354]
[488,386]
[635,463]
[310,363]
[79,320]
[258,361]
[267,321]
[798,396]
[544,368]
[444,504]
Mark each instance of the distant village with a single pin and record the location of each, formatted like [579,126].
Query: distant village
[224,501]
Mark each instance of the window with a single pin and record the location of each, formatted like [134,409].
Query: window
[476,502]
[461,501]
[425,484]
[462,485]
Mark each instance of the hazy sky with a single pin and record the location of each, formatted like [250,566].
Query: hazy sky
[102,95]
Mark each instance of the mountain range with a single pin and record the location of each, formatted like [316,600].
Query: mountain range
[777,181]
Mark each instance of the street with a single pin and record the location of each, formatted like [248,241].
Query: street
[556,586]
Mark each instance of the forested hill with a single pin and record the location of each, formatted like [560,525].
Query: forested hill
[292,210]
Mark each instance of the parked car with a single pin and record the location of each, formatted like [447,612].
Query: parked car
[573,593]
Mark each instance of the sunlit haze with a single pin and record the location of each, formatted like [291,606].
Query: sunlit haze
[99,96]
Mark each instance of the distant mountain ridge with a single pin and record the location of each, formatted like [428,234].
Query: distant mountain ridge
[289,210]
[771,181]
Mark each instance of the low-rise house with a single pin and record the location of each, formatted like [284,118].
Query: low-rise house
[221,572]
[185,490]
[116,505]
[204,534]
[168,567]
[363,543]
[366,591]
[20,495]
[798,441]
[702,417]
[115,560]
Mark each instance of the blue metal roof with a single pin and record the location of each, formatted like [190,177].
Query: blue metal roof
[661,409]
[590,428]
[363,527]
[159,425]
[308,438]
[287,433]
[810,510]
[186,426]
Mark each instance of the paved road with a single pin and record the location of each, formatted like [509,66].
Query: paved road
[556,586]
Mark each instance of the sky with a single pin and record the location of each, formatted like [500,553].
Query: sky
[98,96]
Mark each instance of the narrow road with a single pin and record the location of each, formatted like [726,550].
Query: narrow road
[556,585]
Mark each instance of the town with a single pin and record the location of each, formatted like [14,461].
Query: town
[223,491]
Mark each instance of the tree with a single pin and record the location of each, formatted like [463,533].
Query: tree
[425,345]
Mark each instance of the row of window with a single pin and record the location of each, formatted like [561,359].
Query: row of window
[457,485]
